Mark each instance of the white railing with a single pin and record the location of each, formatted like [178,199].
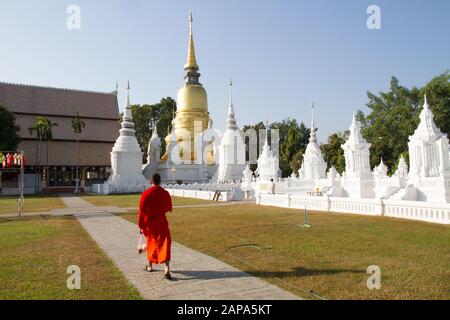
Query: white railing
[413,210]
[418,210]
[356,206]
[225,196]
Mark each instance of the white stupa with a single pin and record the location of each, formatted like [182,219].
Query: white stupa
[429,160]
[231,148]
[314,167]
[126,158]
[268,163]
[381,171]
[402,172]
[153,153]
[358,181]
[247,180]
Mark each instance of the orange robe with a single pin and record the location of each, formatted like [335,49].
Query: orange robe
[154,204]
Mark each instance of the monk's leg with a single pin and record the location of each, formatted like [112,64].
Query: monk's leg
[167,268]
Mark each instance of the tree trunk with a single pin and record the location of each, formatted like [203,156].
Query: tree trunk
[38,165]
[47,171]
[77,180]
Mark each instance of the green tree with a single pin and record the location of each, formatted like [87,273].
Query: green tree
[162,113]
[296,141]
[438,96]
[292,139]
[253,143]
[44,132]
[48,134]
[9,138]
[394,116]
[77,128]
[38,127]
[296,161]
[332,151]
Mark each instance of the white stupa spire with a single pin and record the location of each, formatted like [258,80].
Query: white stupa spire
[312,137]
[381,170]
[153,149]
[153,127]
[231,148]
[266,147]
[231,120]
[127,119]
[356,151]
[427,130]
[268,162]
[313,167]
[355,137]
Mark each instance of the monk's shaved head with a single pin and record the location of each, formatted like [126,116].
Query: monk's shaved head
[156,179]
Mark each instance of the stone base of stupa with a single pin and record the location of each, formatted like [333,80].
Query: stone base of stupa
[185,173]
[125,184]
[433,189]
[362,187]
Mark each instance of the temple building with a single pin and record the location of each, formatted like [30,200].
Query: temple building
[57,158]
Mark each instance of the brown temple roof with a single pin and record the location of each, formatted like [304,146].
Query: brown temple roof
[59,102]
[100,112]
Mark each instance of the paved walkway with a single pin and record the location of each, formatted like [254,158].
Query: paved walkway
[196,275]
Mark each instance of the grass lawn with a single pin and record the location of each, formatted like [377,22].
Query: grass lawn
[33,203]
[330,258]
[35,254]
[132,200]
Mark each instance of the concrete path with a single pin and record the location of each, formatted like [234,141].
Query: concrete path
[196,275]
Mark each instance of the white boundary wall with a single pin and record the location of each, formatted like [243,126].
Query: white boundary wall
[225,196]
[412,210]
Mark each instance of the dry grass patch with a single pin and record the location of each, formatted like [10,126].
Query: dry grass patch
[330,258]
[132,200]
[33,203]
[35,254]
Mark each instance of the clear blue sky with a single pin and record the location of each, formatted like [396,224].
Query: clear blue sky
[280,53]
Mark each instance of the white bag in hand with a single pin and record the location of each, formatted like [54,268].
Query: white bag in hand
[142,244]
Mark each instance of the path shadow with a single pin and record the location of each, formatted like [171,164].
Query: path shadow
[302,272]
[208,274]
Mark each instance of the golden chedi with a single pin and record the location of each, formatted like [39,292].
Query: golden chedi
[192,106]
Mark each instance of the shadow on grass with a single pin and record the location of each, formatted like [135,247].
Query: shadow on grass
[301,272]
[296,272]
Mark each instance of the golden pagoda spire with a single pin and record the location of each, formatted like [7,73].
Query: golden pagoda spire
[191,62]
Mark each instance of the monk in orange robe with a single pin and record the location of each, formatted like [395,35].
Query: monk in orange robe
[154,204]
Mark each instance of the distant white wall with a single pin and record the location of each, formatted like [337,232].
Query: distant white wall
[412,210]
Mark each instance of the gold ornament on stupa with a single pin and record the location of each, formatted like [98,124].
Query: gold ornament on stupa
[192,105]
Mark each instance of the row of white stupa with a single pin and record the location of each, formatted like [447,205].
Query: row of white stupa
[428,178]
[129,175]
